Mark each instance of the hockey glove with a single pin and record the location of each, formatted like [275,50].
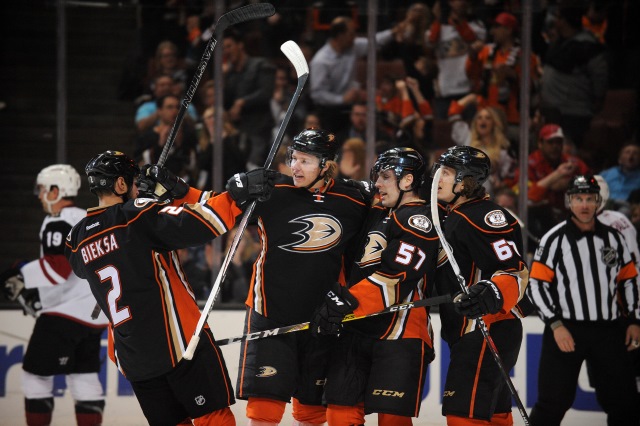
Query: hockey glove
[13,284]
[164,183]
[364,187]
[29,298]
[484,298]
[327,319]
[254,185]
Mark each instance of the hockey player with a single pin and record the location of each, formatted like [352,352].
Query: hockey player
[486,242]
[66,337]
[396,264]
[125,248]
[585,286]
[304,230]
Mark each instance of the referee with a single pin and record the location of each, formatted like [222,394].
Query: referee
[585,286]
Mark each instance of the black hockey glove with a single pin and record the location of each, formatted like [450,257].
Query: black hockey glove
[364,187]
[160,183]
[30,301]
[484,298]
[327,319]
[254,185]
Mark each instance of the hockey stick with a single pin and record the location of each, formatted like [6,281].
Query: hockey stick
[236,16]
[305,325]
[295,55]
[456,270]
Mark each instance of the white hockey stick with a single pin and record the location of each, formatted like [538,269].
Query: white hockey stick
[295,55]
[236,16]
[456,270]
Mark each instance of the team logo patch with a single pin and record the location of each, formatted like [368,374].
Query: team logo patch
[376,243]
[495,219]
[319,233]
[609,256]
[267,371]
[420,222]
[200,400]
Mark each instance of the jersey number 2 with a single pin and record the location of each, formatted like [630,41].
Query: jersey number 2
[110,273]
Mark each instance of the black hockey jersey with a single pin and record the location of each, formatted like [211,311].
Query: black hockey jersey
[303,236]
[126,252]
[486,241]
[397,264]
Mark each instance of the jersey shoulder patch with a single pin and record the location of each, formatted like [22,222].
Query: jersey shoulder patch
[421,223]
[495,219]
[487,216]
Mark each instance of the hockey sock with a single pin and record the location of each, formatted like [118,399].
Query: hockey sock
[393,420]
[222,417]
[265,410]
[340,415]
[89,413]
[308,415]
[38,411]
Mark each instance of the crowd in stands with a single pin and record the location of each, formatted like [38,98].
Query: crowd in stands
[442,64]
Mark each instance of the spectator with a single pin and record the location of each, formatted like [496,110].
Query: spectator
[585,286]
[575,74]
[167,61]
[595,20]
[182,157]
[282,94]
[312,121]
[452,37]
[147,113]
[550,172]
[357,127]
[332,72]
[486,133]
[416,130]
[495,71]
[248,88]
[625,177]
[234,152]
[207,96]
[351,163]
[393,104]
[67,332]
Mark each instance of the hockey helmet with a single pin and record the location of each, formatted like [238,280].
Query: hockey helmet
[318,142]
[402,161]
[604,191]
[583,184]
[466,161]
[63,176]
[105,168]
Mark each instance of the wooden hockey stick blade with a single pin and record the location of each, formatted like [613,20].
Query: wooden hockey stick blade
[242,14]
[305,325]
[295,55]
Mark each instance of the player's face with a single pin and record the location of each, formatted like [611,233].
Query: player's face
[446,184]
[305,168]
[387,187]
[583,206]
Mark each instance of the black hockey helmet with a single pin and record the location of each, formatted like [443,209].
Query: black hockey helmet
[466,161]
[402,161]
[105,168]
[583,184]
[318,142]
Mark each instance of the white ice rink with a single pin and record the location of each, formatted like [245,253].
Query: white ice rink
[123,410]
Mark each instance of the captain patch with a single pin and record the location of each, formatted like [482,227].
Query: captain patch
[495,219]
[420,222]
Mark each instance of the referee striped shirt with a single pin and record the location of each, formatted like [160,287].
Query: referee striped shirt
[584,276]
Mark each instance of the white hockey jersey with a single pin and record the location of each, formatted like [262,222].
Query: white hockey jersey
[61,291]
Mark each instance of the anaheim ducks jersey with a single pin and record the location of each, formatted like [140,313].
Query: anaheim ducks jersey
[61,292]
[487,245]
[126,252]
[396,265]
[303,236]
